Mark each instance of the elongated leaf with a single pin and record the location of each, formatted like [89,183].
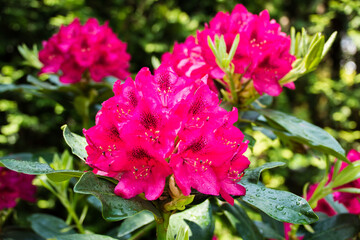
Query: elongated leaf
[49,226]
[277,226]
[198,219]
[280,205]
[114,208]
[76,142]
[348,174]
[241,222]
[267,232]
[303,132]
[84,237]
[339,227]
[135,222]
[36,168]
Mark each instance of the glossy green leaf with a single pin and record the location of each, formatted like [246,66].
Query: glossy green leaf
[303,132]
[280,205]
[114,208]
[84,237]
[339,227]
[36,168]
[76,142]
[329,43]
[349,190]
[275,225]
[241,222]
[267,232]
[198,220]
[135,222]
[49,226]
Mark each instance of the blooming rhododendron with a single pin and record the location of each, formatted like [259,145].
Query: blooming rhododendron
[91,47]
[15,186]
[163,124]
[262,54]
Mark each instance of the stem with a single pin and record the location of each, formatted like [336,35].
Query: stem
[232,88]
[162,226]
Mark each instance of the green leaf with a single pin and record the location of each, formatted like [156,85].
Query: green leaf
[76,142]
[41,84]
[349,190]
[303,132]
[275,225]
[18,234]
[49,226]
[198,219]
[339,227]
[348,174]
[268,232]
[135,222]
[253,175]
[114,208]
[239,220]
[328,44]
[183,234]
[36,168]
[280,205]
[84,237]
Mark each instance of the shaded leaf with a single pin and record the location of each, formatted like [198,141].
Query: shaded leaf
[84,237]
[49,226]
[198,220]
[303,132]
[36,168]
[18,234]
[76,142]
[339,227]
[135,222]
[239,220]
[114,208]
[267,232]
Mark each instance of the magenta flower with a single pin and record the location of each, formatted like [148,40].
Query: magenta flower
[262,54]
[91,47]
[14,186]
[163,124]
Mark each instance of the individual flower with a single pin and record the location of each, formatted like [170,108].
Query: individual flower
[262,55]
[163,124]
[14,186]
[77,49]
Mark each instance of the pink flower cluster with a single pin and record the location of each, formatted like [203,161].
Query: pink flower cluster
[165,124]
[91,47]
[14,186]
[262,54]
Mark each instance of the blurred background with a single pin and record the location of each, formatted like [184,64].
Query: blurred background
[328,97]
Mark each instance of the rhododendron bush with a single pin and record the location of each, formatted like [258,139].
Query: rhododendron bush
[170,149]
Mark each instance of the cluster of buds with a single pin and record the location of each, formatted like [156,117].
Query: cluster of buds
[92,49]
[165,124]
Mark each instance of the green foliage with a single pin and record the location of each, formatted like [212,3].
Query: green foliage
[303,132]
[76,142]
[48,226]
[114,208]
[198,220]
[309,51]
[339,227]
